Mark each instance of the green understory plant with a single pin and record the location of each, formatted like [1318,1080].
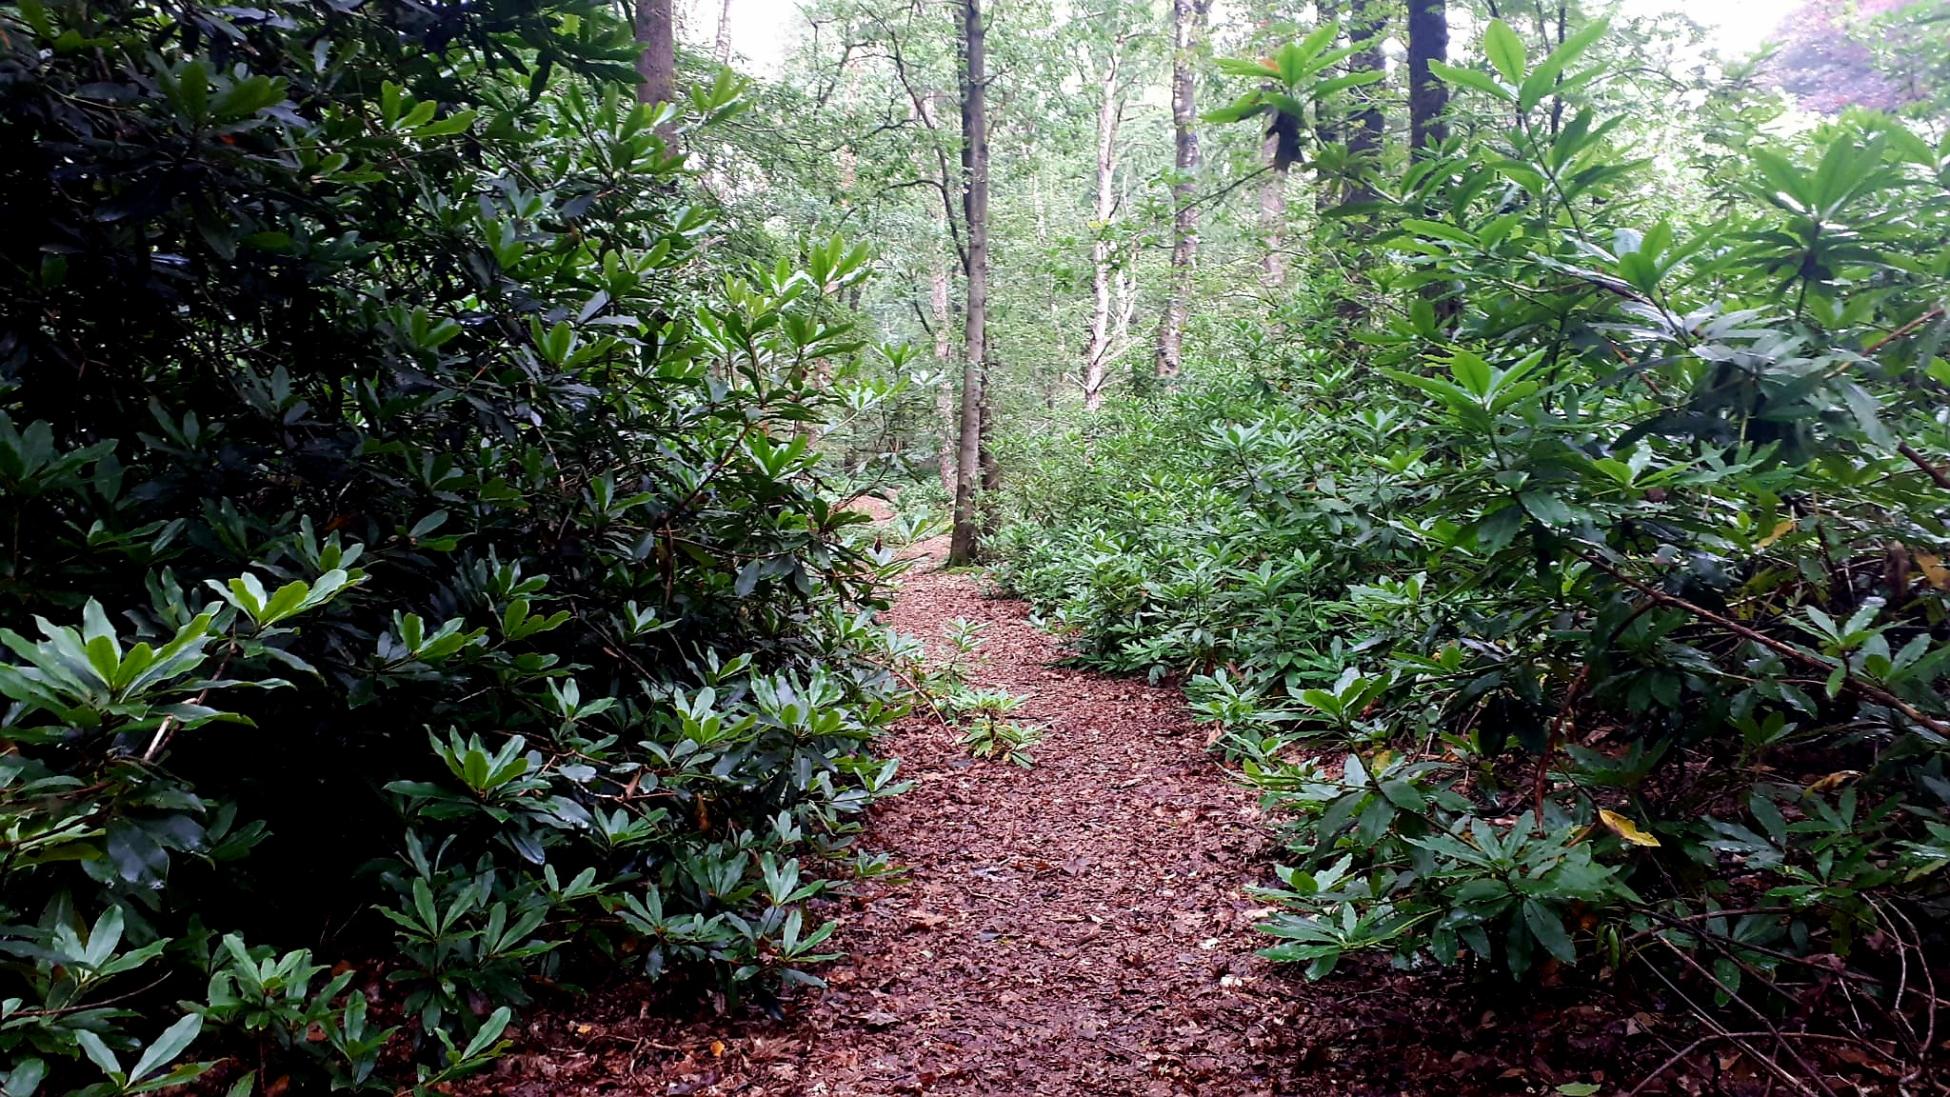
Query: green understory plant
[1590,620]
[983,713]
[986,731]
[427,551]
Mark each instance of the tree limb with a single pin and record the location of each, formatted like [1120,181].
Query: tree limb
[1867,689]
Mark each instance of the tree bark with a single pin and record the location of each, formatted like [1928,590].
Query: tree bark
[1428,103]
[1110,114]
[969,465]
[1327,130]
[1272,220]
[1187,30]
[944,393]
[656,64]
[1428,96]
[1368,24]
[721,50]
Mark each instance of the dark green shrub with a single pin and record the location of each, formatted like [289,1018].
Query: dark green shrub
[1600,615]
[392,324]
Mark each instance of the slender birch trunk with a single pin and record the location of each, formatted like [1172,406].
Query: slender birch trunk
[1110,114]
[721,49]
[944,392]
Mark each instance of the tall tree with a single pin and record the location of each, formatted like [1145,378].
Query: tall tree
[1278,149]
[656,64]
[1428,102]
[962,542]
[944,352]
[1187,32]
[1367,26]
[1428,96]
[721,50]
[1110,115]
[1327,129]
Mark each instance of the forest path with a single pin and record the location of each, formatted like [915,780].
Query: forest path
[1076,929]
[1079,927]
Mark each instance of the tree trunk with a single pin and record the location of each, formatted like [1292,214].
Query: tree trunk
[1187,29]
[1368,24]
[1428,102]
[975,218]
[1272,219]
[1127,302]
[1272,190]
[1327,130]
[1096,356]
[656,64]
[721,50]
[1428,96]
[944,393]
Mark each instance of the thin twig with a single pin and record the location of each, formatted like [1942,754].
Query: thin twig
[1903,332]
[1734,1036]
[1734,996]
[1942,478]
[1928,1041]
[78,1007]
[1738,1039]
[167,728]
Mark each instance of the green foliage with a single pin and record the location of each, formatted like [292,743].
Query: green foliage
[982,713]
[1592,610]
[452,568]
[985,732]
[916,522]
[988,737]
[1301,68]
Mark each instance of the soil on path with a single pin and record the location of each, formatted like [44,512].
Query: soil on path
[1079,927]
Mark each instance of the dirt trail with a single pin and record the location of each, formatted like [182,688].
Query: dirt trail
[1076,928]
[1079,929]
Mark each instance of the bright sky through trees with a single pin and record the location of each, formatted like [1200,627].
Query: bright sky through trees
[763,30]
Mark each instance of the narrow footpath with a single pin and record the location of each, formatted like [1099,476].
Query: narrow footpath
[1077,928]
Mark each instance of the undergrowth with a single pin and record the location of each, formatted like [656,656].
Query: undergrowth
[423,599]
[1589,616]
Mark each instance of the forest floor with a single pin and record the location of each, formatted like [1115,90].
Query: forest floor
[1081,927]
